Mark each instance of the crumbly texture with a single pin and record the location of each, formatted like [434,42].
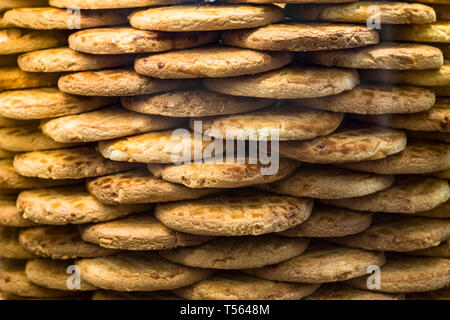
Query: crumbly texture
[235,215]
[419,157]
[301,37]
[434,32]
[123,40]
[328,221]
[22,40]
[387,55]
[375,99]
[71,205]
[408,195]
[42,103]
[12,77]
[108,123]
[10,246]
[111,4]
[322,263]
[350,143]
[291,82]
[197,17]
[64,59]
[141,271]
[9,214]
[59,242]
[238,286]
[74,163]
[48,18]
[140,232]
[337,291]
[193,103]
[115,83]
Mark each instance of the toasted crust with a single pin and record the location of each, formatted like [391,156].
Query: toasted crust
[399,234]
[235,215]
[10,246]
[12,77]
[434,119]
[114,83]
[289,122]
[387,55]
[434,32]
[348,144]
[61,242]
[410,274]
[140,232]
[337,291]
[75,163]
[73,205]
[53,274]
[41,103]
[222,175]
[64,59]
[328,221]
[238,286]
[288,83]
[408,195]
[9,214]
[109,123]
[362,12]
[122,40]
[192,103]
[21,40]
[419,157]
[205,17]
[322,263]
[47,18]
[111,4]
[139,186]
[323,182]
[301,37]
[238,253]
[140,271]
[375,99]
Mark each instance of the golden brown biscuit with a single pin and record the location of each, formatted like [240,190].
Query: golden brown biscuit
[242,213]
[434,32]
[301,37]
[140,271]
[408,195]
[22,40]
[121,40]
[238,286]
[322,263]
[9,214]
[206,17]
[25,139]
[435,119]
[433,1]
[292,82]
[64,59]
[285,122]
[10,4]
[409,274]
[139,232]
[75,163]
[440,251]
[12,77]
[104,124]
[193,103]
[441,211]
[111,4]
[238,252]
[115,82]
[139,186]
[337,291]
[54,275]
[419,157]
[282,2]
[386,55]
[328,221]
[326,182]
[350,143]
[41,103]
[118,295]
[60,242]
[70,205]
[3,24]
[399,234]
[374,99]
[10,246]
[363,12]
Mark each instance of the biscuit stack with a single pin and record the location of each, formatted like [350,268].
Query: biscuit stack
[100,201]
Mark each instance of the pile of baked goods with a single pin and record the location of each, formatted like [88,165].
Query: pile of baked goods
[236,149]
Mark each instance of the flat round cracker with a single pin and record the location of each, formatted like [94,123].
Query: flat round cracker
[112,4]
[433,32]
[22,40]
[10,216]
[11,77]
[11,4]
[10,246]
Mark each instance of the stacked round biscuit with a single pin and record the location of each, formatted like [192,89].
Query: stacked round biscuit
[136,162]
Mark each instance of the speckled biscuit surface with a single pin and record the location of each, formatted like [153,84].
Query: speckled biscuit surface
[10,246]
[9,214]
[22,40]
[12,77]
